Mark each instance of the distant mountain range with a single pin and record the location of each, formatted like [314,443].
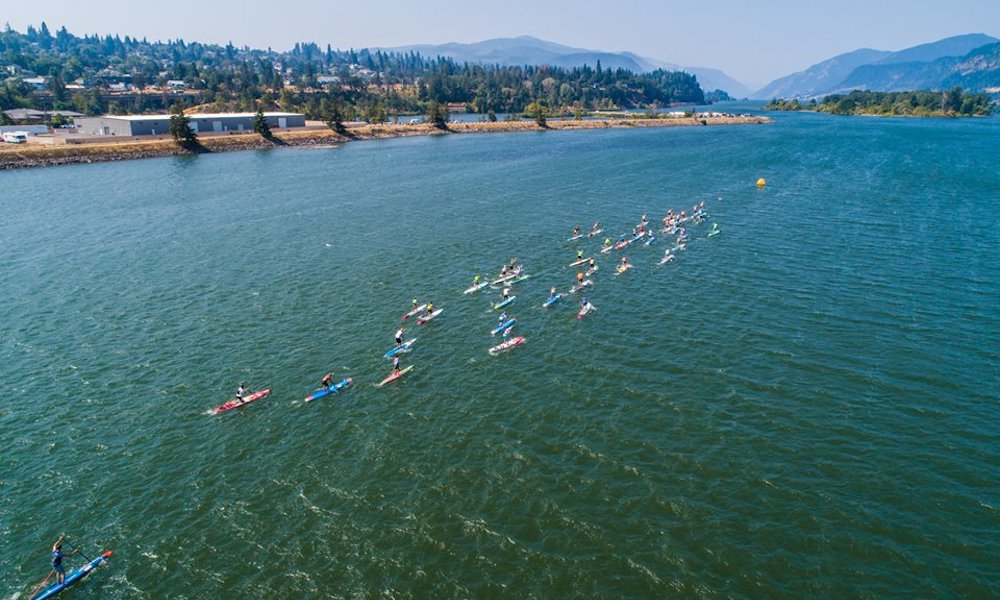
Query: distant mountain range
[527,50]
[970,61]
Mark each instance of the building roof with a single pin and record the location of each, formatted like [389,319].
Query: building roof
[200,116]
[30,113]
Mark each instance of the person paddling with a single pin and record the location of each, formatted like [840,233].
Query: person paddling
[57,558]
[399,337]
[576,231]
[241,391]
[327,380]
[395,365]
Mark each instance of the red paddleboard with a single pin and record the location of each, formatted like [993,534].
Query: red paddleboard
[236,403]
[394,376]
[506,345]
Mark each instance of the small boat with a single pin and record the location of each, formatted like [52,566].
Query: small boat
[552,300]
[330,390]
[622,244]
[649,241]
[591,270]
[502,326]
[607,249]
[584,310]
[395,375]
[579,286]
[504,303]
[579,261]
[72,578]
[594,232]
[667,258]
[416,310]
[573,238]
[517,279]
[236,402]
[517,341]
[715,230]
[400,349]
[426,318]
[476,287]
[622,268]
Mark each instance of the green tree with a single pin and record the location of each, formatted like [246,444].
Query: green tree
[537,112]
[437,115]
[180,127]
[260,125]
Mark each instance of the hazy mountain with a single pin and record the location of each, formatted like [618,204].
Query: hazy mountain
[920,67]
[975,71]
[821,77]
[959,45]
[527,50]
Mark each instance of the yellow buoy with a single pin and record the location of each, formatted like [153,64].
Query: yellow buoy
[761,182]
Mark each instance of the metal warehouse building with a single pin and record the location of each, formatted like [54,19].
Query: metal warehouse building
[201,123]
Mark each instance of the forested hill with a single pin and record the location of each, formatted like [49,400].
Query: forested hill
[94,75]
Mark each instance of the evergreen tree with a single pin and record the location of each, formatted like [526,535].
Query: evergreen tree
[260,125]
[180,127]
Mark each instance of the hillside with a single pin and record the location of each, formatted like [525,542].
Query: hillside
[528,50]
[926,66]
[975,71]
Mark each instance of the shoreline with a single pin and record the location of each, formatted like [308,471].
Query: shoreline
[30,156]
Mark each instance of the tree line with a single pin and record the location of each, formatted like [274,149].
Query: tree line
[322,83]
[949,103]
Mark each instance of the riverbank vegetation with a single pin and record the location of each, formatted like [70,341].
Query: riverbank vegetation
[97,75]
[950,103]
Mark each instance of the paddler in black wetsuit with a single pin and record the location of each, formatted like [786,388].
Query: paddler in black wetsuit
[57,557]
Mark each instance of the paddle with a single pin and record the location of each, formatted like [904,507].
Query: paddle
[39,586]
[77,550]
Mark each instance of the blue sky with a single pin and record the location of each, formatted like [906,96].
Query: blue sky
[754,42]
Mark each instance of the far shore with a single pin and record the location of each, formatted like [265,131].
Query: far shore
[38,155]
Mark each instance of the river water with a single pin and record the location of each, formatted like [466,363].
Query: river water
[805,405]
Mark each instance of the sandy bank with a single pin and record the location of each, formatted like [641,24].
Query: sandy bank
[23,156]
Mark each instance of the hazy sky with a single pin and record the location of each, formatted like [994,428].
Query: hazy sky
[753,42]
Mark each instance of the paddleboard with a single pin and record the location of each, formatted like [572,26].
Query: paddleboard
[400,349]
[552,300]
[504,303]
[476,287]
[330,390]
[426,318]
[506,345]
[236,403]
[502,326]
[416,310]
[394,376]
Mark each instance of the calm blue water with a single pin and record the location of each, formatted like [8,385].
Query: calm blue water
[803,406]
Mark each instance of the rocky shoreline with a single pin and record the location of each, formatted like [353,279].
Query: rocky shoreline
[27,156]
